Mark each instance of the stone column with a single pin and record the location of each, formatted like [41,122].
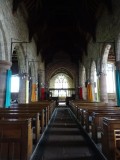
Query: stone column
[92,78]
[103,88]
[4,66]
[42,84]
[24,90]
[98,88]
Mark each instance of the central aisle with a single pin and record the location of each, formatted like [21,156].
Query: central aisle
[65,140]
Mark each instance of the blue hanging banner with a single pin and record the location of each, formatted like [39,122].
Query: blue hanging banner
[118,87]
[8,88]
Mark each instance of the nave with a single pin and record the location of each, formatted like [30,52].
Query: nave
[65,139]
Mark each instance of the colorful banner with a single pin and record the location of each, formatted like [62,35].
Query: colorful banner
[118,86]
[89,92]
[80,93]
[33,96]
[42,94]
[8,89]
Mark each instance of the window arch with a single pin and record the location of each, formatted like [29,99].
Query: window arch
[61,81]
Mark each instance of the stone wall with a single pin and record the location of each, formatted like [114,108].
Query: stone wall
[108,30]
[14,35]
[14,29]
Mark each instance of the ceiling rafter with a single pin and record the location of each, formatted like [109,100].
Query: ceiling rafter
[29,4]
[63,24]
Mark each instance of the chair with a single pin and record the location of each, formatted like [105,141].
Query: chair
[117,144]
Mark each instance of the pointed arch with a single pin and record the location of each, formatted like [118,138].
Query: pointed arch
[105,58]
[3,44]
[21,58]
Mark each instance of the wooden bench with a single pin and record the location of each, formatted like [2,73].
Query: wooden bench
[41,111]
[97,122]
[34,118]
[86,114]
[47,106]
[108,143]
[83,113]
[49,103]
[117,143]
[85,103]
[15,139]
[21,113]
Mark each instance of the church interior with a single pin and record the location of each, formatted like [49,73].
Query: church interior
[59,80]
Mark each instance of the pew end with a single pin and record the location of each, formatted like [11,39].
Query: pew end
[117,144]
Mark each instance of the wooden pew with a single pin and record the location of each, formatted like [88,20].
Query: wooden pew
[83,113]
[85,103]
[97,122]
[49,103]
[34,118]
[21,113]
[86,114]
[15,139]
[47,106]
[108,144]
[27,109]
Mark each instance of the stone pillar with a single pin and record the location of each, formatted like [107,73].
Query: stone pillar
[84,91]
[103,88]
[4,66]
[42,84]
[98,89]
[24,88]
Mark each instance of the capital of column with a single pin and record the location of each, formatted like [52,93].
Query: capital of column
[102,74]
[118,65]
[24,75]
[5,64]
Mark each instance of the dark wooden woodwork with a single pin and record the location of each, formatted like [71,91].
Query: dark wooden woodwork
[15,139]
[108,144]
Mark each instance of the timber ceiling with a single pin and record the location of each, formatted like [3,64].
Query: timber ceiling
[66,25]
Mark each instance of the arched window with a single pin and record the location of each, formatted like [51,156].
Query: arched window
[61,82]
